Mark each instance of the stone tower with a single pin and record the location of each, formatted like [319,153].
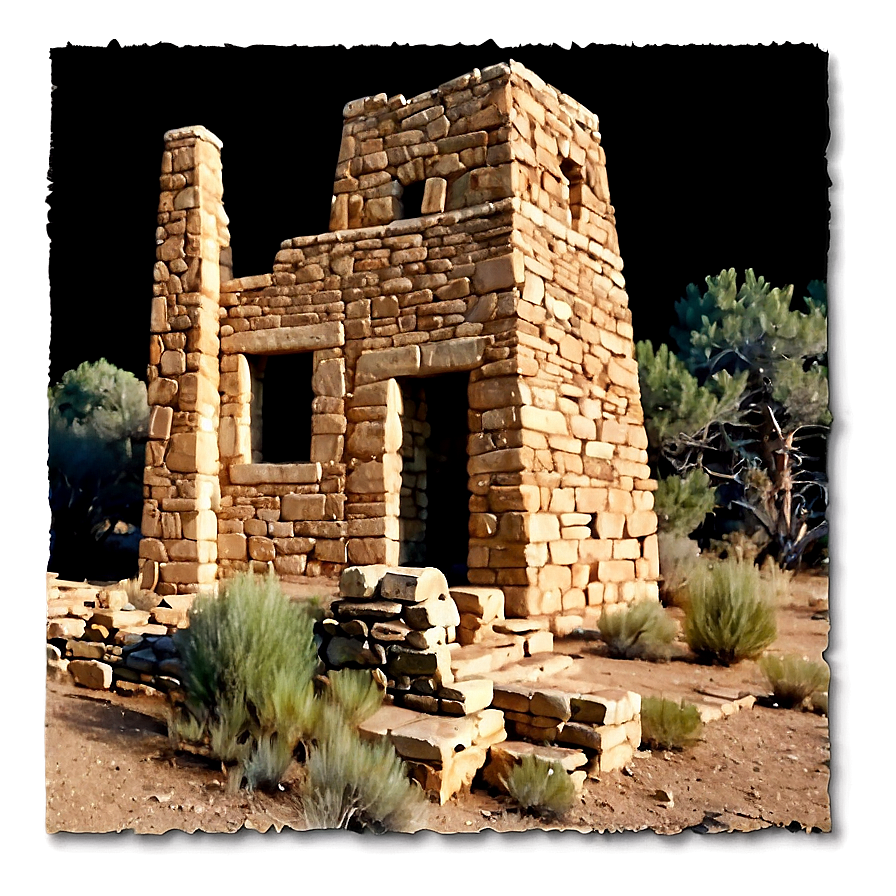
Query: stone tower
[446,378]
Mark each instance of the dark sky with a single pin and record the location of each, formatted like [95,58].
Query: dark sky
[715,159]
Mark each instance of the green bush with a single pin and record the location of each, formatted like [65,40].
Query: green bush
[642,629]
[794,678]
[540,786]
[357,784]
[249,660]
[682,502]
[98,419]
[679,557]
[730,612]
[357,692]
[667,725]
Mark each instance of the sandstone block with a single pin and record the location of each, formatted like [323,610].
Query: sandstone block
[387,363]
[367,609]
[434,194]
[473,694]
[612,706]
[361,581]
[232,547]
[640,523]
[482,601]
[609,525]
[279,340]
[433,739]
[192,452]
[305,507]
[119,618]
[438,610]
[91,674]
[414,585]
[275,474]
[615,571]
[66,628]
[367,551]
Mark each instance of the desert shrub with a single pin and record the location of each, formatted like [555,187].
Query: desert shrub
[642,629]
[540,786]
[682,502]
[357,692]
[730,613]
[357,784]
[794,678]
[679,556]
[667,725]
[780,581]
[249,661]
[98,417]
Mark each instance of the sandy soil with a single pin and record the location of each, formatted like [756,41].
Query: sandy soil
[109,766]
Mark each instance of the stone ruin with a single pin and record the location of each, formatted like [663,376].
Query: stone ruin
[444,379]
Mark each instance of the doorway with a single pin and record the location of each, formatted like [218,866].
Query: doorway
[434,507]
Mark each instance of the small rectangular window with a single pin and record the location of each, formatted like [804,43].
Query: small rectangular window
[281,407]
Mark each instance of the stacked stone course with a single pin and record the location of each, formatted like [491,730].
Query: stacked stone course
[509,271]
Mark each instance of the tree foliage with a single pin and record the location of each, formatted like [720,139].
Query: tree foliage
[98,416]
[743,395]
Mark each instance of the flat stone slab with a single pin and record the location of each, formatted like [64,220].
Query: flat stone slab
[532,668]
[387,718]
[120,618]
[435,738]
[522,626]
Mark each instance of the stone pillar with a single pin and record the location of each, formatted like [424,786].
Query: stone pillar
[181,485]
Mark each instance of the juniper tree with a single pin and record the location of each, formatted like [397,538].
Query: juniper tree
[98,416]
[745,391]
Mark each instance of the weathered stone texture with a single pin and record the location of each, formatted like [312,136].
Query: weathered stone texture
[507,271]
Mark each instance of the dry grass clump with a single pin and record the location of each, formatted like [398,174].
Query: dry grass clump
[730,614]
[357,784]
[794,678]
[541,787]
[249,660]
[667,725]
[357,692]
[640,630]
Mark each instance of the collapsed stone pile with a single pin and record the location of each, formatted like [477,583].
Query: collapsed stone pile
[100,640]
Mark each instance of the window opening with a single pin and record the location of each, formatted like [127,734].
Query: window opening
[281,407]
[412,199]
[574,179]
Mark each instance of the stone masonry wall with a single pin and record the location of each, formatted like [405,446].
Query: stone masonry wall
[508,269]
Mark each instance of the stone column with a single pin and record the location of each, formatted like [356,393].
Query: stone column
[181,485]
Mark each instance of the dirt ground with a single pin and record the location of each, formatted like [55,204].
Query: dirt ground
[109,766]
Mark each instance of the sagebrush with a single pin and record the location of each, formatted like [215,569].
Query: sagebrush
[730,614]
[667,725]
[540,786]
[249,660]
[642,629]
[357,692]
[358,784]
[793,678]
